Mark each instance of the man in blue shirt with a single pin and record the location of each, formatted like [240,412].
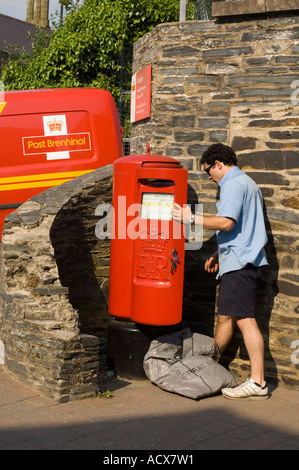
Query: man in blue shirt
[241,237]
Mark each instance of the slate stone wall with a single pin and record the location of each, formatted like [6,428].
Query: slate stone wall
[234,80]
[53,288]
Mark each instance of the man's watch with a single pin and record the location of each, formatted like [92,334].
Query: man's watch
[192,220]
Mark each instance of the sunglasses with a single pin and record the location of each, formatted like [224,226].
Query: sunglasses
[207,170]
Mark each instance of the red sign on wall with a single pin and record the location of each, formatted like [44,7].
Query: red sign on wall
[141,94]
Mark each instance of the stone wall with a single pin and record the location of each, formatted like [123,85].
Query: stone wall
[53,288]
[234,80]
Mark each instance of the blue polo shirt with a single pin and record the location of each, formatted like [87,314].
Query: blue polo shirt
[241,200]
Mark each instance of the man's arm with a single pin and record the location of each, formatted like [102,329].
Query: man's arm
[183,214]
[217,223]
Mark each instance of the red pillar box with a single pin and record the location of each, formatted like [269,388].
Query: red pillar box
[147,246]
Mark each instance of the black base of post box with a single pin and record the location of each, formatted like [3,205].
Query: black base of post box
[127,344]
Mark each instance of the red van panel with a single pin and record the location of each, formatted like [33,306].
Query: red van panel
[51,136]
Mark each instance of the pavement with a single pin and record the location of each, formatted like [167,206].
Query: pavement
[140,416]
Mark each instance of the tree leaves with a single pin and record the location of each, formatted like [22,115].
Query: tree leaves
[86,49]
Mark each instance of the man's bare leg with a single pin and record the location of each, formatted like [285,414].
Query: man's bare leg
[224,331]
[255,347]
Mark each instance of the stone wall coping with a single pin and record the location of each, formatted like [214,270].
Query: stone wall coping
[50,201]
[247,7]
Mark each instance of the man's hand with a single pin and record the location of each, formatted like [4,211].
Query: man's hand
[212,265]
[181,214]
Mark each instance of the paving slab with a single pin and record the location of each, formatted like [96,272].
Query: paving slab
[141,417]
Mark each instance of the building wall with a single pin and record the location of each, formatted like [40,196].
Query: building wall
[234,80]
[38,12]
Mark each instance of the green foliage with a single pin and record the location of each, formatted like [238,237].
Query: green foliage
[86,49]
[101,394]
[143,15]
[68,4]
[93,48]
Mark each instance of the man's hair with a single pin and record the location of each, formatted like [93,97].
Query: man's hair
[220,152]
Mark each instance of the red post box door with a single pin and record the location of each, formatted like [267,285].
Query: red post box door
[158,264]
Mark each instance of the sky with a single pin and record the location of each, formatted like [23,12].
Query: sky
[17,8]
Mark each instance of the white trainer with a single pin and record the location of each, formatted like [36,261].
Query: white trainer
[249,390]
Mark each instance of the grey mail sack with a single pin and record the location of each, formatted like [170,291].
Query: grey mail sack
[182,363]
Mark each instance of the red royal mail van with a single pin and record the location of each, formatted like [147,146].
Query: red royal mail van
[50,136]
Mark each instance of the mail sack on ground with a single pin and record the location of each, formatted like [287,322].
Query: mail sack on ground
[182,362]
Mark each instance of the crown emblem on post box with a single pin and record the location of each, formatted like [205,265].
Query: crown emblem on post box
[55,125]
[154,242]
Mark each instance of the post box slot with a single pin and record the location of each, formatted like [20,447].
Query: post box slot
[154,164]
[156,183]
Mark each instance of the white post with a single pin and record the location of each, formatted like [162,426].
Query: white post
[2,354]
[183,10]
